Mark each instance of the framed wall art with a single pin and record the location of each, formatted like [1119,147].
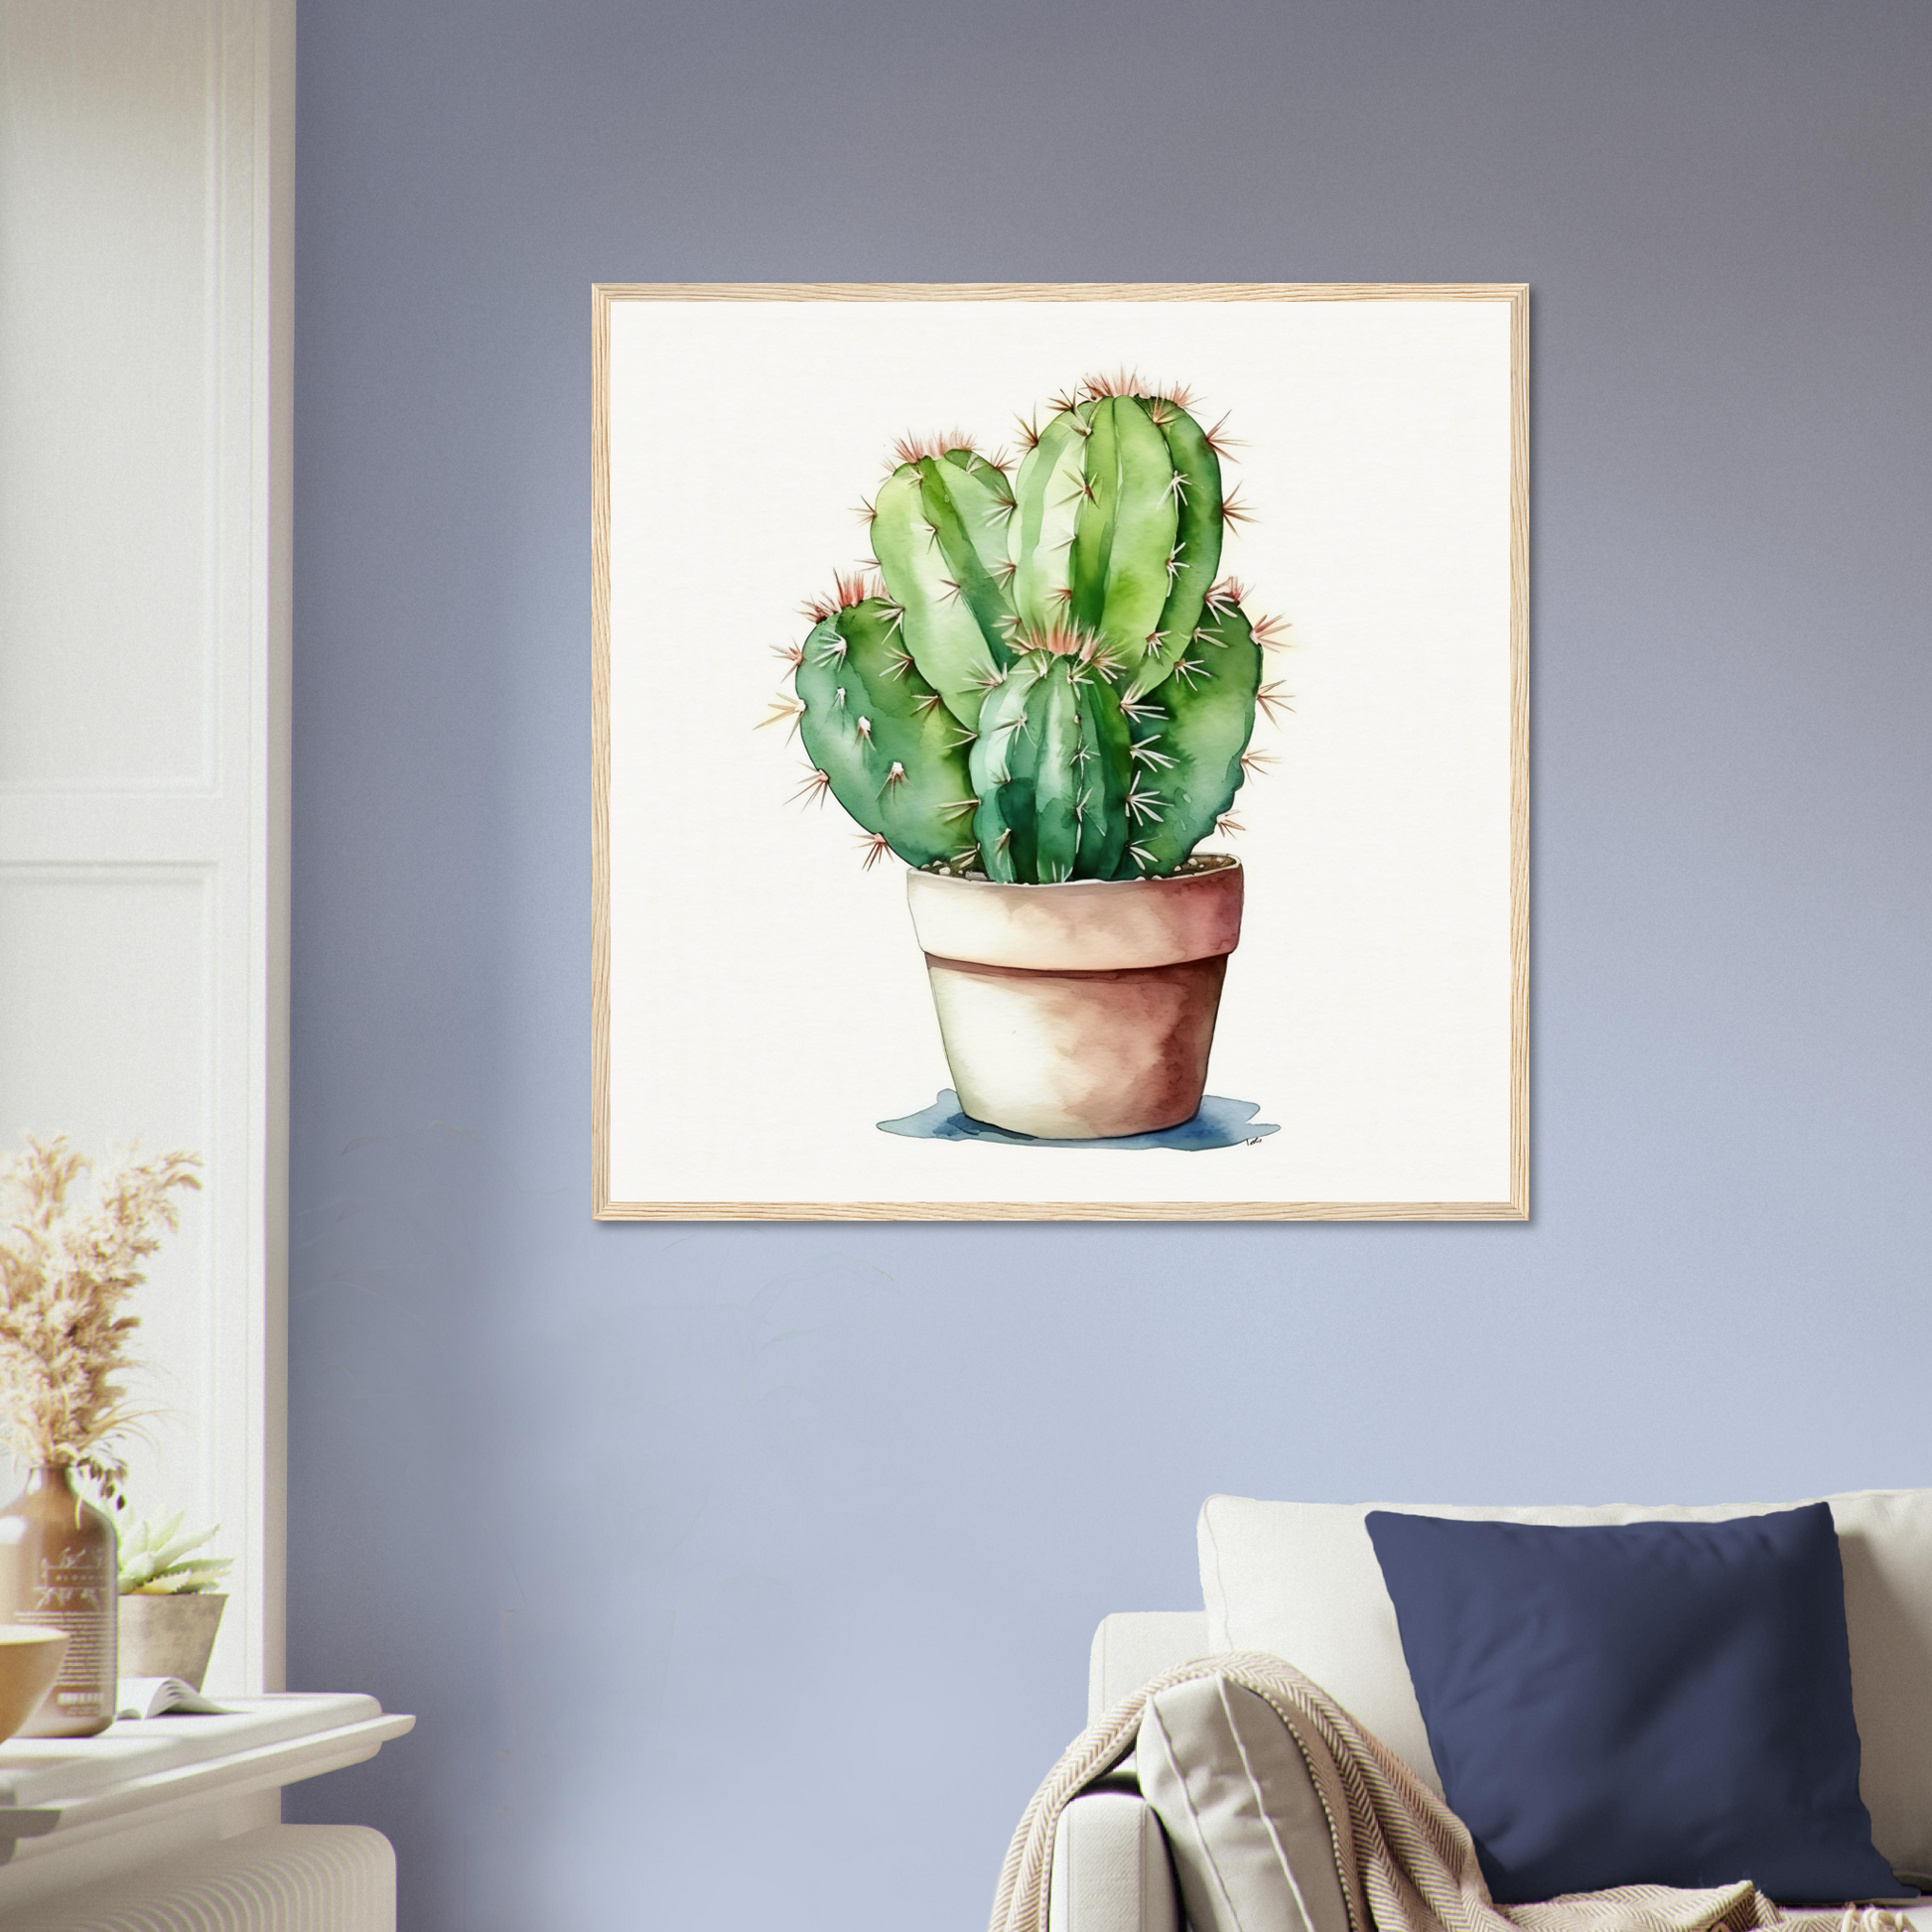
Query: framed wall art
[1061,753]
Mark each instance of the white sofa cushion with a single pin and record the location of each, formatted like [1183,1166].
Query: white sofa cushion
[1300,1580]
[1251,1839]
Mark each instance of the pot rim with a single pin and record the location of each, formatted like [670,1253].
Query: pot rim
[1080,925]
[1211,863]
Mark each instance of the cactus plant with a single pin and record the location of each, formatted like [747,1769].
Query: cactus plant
[1046,680]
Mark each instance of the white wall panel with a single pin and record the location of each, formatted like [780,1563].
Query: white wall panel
[107,270]
[106,996]
[143,202]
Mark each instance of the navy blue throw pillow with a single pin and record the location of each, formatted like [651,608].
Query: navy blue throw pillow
[1639,1704]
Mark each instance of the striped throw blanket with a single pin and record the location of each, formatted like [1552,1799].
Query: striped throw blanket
[1404,1860]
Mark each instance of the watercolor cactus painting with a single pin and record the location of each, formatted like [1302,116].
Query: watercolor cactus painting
[1041,697]
[1037,709]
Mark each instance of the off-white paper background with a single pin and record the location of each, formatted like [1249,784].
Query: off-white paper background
[767,1002]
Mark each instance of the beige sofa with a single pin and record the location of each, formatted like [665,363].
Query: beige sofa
[1300,1580]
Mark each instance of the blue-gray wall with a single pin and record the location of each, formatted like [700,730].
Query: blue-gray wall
[741,1577]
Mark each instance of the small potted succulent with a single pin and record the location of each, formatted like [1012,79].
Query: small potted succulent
[171,1607]
[1042,704]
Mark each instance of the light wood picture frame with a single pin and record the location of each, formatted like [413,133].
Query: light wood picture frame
[760,999]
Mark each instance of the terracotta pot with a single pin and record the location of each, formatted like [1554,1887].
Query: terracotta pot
[170,1636]
[1081,1010]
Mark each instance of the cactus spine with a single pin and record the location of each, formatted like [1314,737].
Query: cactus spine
[1048,682]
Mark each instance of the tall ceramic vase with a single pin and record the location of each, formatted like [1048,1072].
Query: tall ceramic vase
[64,1575]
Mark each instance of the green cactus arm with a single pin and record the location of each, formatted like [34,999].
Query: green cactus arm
[1048,490]
[1125,536]
[967,502]
[1051,768]
[1107,769]
[892,753]
[1054,718]
[1197,544]
[1000,766]
[1189,737]
[942,632]
[952,652]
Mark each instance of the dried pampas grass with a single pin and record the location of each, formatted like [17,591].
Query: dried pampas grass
[66,1268]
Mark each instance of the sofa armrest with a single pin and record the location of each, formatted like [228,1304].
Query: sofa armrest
[1111,1871]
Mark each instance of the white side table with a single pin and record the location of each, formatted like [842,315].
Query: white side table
[77,1813]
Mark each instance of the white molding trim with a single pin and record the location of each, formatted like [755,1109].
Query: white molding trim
[146,244]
